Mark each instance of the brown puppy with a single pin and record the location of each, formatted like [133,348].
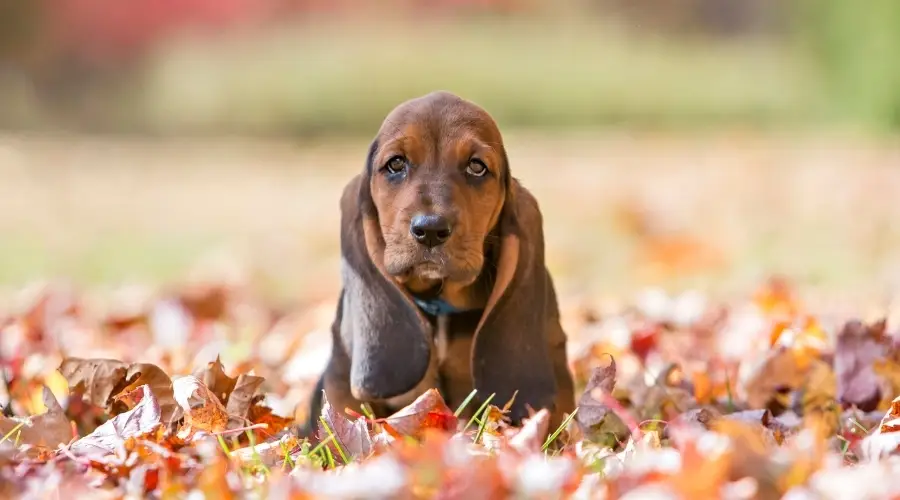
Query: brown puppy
[444,282]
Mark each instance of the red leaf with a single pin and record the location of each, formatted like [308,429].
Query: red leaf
[428,411]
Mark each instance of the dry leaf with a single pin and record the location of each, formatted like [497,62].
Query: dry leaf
[48,430]
[530,438]
[428,411]
[592,411]
[143,419]
[97,379]
[160,384]
[202,409]
[351,435]
[859,346]
[242,397]
[215,378]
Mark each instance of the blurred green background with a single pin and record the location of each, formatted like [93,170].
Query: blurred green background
[299,67]
[139,136]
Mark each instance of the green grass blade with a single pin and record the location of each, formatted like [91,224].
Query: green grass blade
[479,412]
[337,443]
[256,455]
[12,431]
[465,402]
[552,437]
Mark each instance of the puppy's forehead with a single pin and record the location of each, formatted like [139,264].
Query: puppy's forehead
[438,117]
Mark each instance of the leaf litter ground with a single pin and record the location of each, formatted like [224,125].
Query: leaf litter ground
[177,396]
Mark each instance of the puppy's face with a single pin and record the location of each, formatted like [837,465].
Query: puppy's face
[437,182]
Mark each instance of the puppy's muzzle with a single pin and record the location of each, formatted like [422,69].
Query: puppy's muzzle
[430,230]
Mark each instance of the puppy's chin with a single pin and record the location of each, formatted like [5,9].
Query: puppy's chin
[428,271]
[430,266]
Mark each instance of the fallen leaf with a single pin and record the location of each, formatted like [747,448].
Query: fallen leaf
[202,409]
[263,415]
[242,397]
[428,411]
[859,346]
[143,419]
[775,380]
[886,439]
[48,429]
[160,384]
[215,378]
[97,379]
[592,411]
[351,435]
[530,438]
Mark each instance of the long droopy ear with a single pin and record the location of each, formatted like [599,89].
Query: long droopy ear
[510,350]
[388,339]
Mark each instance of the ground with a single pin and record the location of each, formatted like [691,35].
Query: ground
[750,386]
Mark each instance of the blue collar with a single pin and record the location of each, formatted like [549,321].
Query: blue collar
[436,307]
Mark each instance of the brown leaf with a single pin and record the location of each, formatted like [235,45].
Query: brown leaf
[428,411]
[352,435]
[97,379]
[215,378]
[590,410]
[859,346]
[242,398]
[531,437]
[202,409]
[46,430]
[160,384]
[106,439]
[779,375]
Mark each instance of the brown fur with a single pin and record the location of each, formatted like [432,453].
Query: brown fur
[508,338]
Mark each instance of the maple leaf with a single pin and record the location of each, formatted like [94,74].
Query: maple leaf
[591,409]
[215,378]
[97,379]
[202,409]
[48,430]
[242,397]
[160,384]
[859,346]
[428,411]
[351,435]
[143,419]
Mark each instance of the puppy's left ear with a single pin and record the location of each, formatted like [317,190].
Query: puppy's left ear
[510,351]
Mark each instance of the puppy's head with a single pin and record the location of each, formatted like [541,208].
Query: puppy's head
[437,182]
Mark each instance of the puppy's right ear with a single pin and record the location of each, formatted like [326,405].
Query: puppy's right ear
[388,340]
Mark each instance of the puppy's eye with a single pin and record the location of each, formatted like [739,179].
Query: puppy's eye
[396,165]
[476,168]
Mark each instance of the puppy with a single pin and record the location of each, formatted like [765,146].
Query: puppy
[444,281]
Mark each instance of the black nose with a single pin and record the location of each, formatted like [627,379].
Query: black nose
[430,230]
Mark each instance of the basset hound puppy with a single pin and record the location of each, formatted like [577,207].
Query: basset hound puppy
[444,281]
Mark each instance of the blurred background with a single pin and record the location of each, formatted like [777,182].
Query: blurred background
[681,143]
